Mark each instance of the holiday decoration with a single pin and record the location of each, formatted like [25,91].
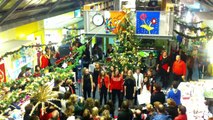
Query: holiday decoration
[147,22]
[2,73]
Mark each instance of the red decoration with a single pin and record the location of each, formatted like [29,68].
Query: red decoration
[2,73]
[143,16]
[154,21]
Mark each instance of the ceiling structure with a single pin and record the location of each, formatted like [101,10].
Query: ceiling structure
[19,12]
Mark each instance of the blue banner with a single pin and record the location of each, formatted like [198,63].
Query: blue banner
[147,22]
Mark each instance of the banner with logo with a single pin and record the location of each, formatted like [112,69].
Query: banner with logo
[147,22]
[2,73]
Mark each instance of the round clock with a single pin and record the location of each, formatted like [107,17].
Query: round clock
[98,19]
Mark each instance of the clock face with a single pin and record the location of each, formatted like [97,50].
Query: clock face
[98,19]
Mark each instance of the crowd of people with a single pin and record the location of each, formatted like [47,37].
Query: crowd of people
[117,89]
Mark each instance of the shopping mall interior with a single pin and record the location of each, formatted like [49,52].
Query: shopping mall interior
[106,60]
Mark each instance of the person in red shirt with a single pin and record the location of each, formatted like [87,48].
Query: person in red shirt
[182,113]
[179,69]
[103,85]
[116,86]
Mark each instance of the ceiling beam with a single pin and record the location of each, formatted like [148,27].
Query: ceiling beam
[54,6]
[43,6]
[4,4]
[10,11]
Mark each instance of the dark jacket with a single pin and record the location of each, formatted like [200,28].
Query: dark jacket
[158,96]
[125,115]
[172,111]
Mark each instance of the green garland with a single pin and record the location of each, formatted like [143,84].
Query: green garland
[207,30]
[69,40]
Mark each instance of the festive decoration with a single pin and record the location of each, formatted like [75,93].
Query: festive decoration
[31,84]
[2,73]
[147,22]
[126,51]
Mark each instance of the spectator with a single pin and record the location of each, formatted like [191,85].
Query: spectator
[37,72]
[95,75]
[106,115]
[182,113]
[171,108]
[86,56]
[109,50]
[103,86]
[157,95]
[190,65]
[112,108]
[161,115]
[28,109]
[150,62]
[95,112]
[163,68]
[97,52]
[175,93]
[87,84]
[125,113]
[150,112]
[179,69]
[138,80]
[129,88]
[86,115]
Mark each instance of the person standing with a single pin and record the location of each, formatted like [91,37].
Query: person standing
[87,84]
[138,80]
[190,65]
[182,113]
[150,62]
[163,68]
[174,93]
[103,86]
[112,70]
[95,78]
[116,86]
[157,95]
[129,87]
[179,69]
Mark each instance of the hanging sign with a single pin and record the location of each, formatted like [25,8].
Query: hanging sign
[147,22]
[2,73]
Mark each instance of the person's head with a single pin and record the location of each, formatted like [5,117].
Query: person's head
[86,72]
[102,73]
[117,72]
[28,108]
[145,79]
[125,105]
[150,108]
[112,68]
[97,103]
[37,68]
[70,110]
[178,58]
[34,117]
[89,103]
[150,55]
[149,72]
[181,109]
[95,111]
[138,70]
[86,114]
[157,87]
[175,84]
[97,65]
[125,69]
[164,54]
[110,46]
[129,73]
[73,99]
[161,108]
[171,102]
[106,114]
[156,104]
[28,69]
